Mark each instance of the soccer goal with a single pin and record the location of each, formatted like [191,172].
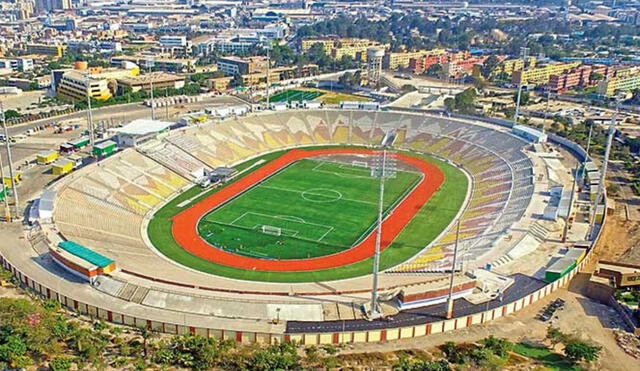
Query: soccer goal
[363,164]
[269,229]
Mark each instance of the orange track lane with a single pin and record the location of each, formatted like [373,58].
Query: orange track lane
[185,224]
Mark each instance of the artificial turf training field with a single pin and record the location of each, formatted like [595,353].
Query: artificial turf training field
[311,208]
[425,226]
[293,95]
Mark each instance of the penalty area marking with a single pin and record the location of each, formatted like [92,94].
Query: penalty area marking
[321,228]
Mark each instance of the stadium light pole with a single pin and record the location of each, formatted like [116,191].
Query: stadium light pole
[384,169]
[268,72]
[14,186]
[87,80]
[375,312]
[453,273]
[7,210]
[603,172]
[150,63]
[525,51]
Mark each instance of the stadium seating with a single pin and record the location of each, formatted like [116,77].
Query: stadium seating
[127,186]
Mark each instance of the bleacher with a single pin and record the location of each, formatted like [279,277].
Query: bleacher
[128,185]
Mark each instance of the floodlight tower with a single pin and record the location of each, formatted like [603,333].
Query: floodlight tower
[7,210]
[384,168]
[150,63]
[525,51]
[14,186]
[453,272]
[87,81]
[603,172]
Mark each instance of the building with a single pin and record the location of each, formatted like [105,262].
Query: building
[580,76]
[158,63]
[541,75]
[45,49]
[337,48]
[234,66]
[159,80]
[219,83]
[625,80]
[400,60]
[100,85]
[437,56]
[621,274]
[18,64]
[175,45]
[459,68]
[140,131]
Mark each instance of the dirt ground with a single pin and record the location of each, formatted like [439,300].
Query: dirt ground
[620,242]
[584,317]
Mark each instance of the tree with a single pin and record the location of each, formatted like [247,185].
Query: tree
[525,97]
[489,65]
[413,364]
[498,346]
[578,350]
[434,70]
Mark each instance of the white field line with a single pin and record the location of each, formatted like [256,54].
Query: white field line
[315,194]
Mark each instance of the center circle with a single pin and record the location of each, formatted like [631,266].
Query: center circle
[321,195]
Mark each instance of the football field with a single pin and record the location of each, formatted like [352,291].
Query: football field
[311,208]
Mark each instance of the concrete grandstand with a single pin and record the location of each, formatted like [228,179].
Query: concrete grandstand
[107,206]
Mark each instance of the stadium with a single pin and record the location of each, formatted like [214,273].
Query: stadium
[264,226]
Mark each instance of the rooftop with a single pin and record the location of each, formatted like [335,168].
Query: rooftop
[143,127]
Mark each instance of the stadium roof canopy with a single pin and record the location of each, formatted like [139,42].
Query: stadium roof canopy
[84,253]
[143,127]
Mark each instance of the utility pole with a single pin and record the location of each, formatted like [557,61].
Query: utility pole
[546,111]
[383,170]
[14,186]
[89,114]
[603,173]
[453,273]
[525,51]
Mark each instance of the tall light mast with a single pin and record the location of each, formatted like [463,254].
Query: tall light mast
[603,172]
[383,169]
[14,186]
[525,51]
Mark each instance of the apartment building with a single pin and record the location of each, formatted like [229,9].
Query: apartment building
[625,80]
[439,56]
[541,74]
[46,49]
[18,64]
[233,66]
[398,60]
[579,76]
[337,48]
[461,67]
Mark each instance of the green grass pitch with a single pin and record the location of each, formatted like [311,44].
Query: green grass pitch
[430,221]
[311,208]
[295,95]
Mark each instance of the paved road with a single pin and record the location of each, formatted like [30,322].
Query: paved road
[112,115]
[125,112]
[523,286]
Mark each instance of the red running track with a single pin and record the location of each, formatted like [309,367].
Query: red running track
[185,224]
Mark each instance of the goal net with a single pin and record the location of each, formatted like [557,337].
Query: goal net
[269,229]
[363,164]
